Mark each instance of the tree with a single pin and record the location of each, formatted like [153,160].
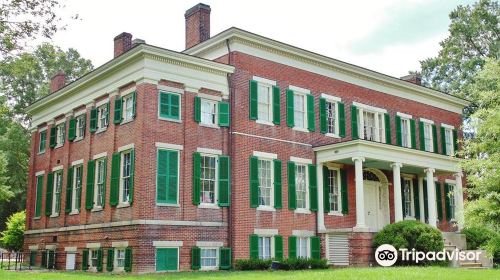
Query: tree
[26,78]
[27,19]
[13,236]
[474,37]
[482,152]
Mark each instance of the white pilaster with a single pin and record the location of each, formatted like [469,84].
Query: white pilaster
[459,199]
[360,199]
[398,207]
[321,214]
[421,198]
[431,196]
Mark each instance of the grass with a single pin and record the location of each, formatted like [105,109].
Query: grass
[413,273]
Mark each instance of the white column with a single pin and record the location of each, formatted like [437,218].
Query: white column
[398,200]
[321,214]
[431,197]
[421,198]
[360,199]
[459,199]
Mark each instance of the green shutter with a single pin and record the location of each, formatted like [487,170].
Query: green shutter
[289,108]
[292,247]
[99,259]
[313,188]
[132,176]
[173,177]
[110,259]
[326,190]
[32,258]
[167,176]
[254,246]
[107,113]
[413,134]
[439,205]
[69,190]
[85,259]
[276,105]
[447,202]
[341,109]
[52,260]
[426,210]
[443,141]
[128,259]
[278,247]
[93,120]
[455,141]
[79,193]
[224,114]
[224,181]
[311,122]
[52,137]
[39,195]
[195,258]
[134,104]
[44,259]
[254,182]
[89,194]
[292,196]
[399,140]
[72,129]
[434,138]
[278,188]
[253,100]
[354,123]
[48,194]
[105,163]
[225,258]
[387,120]
[416,199]
[196,178]
[114,188]
[323,127]
[118,110]
[343,191]
[315,248]
[402,195]
[421,131]
[197,109]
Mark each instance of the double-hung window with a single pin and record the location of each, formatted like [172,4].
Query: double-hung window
[102,117]
[428,141]
[208,179]
[300,110]
[125,178]
[128,108]
[93,258]
[60,134]
[265,182]
[302,247]
[56,196]
[42,142]
[452,202]
[208,257]
[371,124]
[331,118]
[77,187]
[80,127]
[265,247]
[264,105]
[301,186]
[334,190]
[405,133]
[209,112]
[120,258]
[408,197]
[100,182]
[448,136]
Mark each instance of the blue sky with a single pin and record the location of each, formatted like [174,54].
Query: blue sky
[389,36]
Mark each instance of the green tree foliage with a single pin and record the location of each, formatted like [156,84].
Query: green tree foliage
[482,152]
[13,236]
[474,37]
[26,78]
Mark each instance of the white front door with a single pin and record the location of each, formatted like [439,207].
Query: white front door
[70,261]
[371,193]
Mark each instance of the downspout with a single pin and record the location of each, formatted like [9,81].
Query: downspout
[231,148]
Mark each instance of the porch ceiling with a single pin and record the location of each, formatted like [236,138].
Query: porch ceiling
[380,156]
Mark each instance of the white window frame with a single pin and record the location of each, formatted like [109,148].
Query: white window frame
[125,100]
[304,96]
[335,101]
[379,115]
[74,209]
[216,183]
[116,268]
[308,246]
[41,149]
[407,119]
[60,135]
[306,198]
[213,103]
[55,201]
[92,250]
[79,125]
[271,244]
[428,125]
[269,207]
[448,132]
[101,109]
[453,199]
[205,268]
[339,198]
[412,199]
[269,87]
[96,184]
[121,201]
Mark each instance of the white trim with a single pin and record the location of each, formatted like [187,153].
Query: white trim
[126,147]
[167,243]
[301,160]
[332,135]
[33,247]
[90,105]
[447,126]
[264,122]
[209,151]
[50,247]
[330,98]
[127,91]
[101,155]
[266,207]
[297,89]
[302,233]
[59,167]
[450,181]
[264,81]
[113,93]
[209,205]
[403,115]
[77,162]
[209,243]
[42,129]
[368,107]
[265,155]
[273,139]
[70,249]
[119,244]
[426,121]
[303,210]
[102,102]
[209,96]
[265,231]
[301,129]
[60,121]
[169,146]
[93,245]
[42,172]
[170,89]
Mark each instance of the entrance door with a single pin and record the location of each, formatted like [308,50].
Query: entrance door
[371,194]
[70,261]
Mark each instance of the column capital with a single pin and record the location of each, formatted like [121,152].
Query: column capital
[429,170]
[358,158]
[459,174]
[396,164]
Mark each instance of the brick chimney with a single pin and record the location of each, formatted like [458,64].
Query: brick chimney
[413,78]
[123,43]
[197,24]
[58,81]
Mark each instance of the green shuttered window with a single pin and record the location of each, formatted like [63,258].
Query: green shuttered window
[169,105]
[195,258]
[278,247]
[72,129]
[265,107]
[220,165]
[89,193]
[439,204]
[114,191]
[224,114]
[354,123]
[196,178]
[276,105]
[48,194]
[225,258]
[167,177]
[315,248]
[387,121]
[313,188]
[292,247]
[39,190]
[254,246]
[85,259]
[110,259]
[292,195]
[289,108]
[343,191]
[416,199]
[93,120]
[43,142]
[69,190]
[278,191]
[413,134]
[117,118]
[128,259]
[224,181]
[53,136]
[399,138]
[253,95]
[311,118]
[254,182]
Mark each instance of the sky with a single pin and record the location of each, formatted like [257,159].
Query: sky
[388,36]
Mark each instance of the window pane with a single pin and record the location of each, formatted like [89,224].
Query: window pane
[299,110]
[265,182]
[407,197]
[208,112]
[428,137]
[264,248]
[300,186]
[405,133]
[331,117]
[264,102]
[126,177]
[208,179]
[334,190]
[369,125]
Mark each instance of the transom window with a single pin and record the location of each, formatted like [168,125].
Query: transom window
[77,186]
[208,112]
[334,190]
[302,251]
[102,117]
[301,186]
[448,136]
[264,247]
[60,134]
[56,197]
[208,179]
[265,182]
[299,107]
[80,127]
[100,180]
[428,137]
[128,107]
[331,117]
[408,197]
[405,133]
[208,257]
[125,176]
[120,257]
[264,105]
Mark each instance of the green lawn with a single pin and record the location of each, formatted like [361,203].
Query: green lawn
[412,273]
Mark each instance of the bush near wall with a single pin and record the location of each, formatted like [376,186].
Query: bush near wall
[285,264]
[483,238]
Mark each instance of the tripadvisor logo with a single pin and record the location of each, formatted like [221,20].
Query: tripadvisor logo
[387,255]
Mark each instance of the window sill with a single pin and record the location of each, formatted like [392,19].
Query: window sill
[209,125]
[335,213]
[332,135]
[55,215]
[208,206]
[41,153]
[168,205]
[96,209]
[37,218]
[169,120]
[301,129]
[123,205]
[126,121]
[264,122]
[77,139]
[118,270]
[74,212]
[100,130]
[58,146]
[302,211]
[266,208]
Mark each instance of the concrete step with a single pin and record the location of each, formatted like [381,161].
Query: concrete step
[471,265]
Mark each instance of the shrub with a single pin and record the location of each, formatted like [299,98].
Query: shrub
[410,234]
[253,264]
[477,237]
[318,264]
[13,237]
[285,264]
